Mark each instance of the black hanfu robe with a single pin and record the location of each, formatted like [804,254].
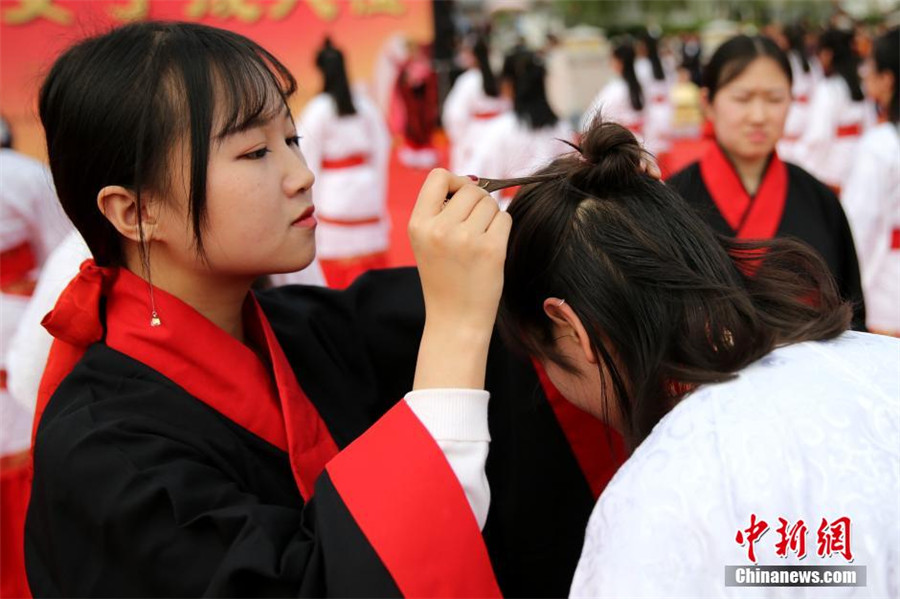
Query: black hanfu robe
[789,203]
[152,481]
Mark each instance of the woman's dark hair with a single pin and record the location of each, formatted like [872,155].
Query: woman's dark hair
[114,107]
[651,44]
[844,60]
[525,70]
[330,61]
[887,58]
[488,81]
[667,303]
[625,55]
[796,38]
[732,57]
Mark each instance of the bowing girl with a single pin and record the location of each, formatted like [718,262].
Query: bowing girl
[622,99]
[838,114]
[871,196]
[728,368]
[193,437]
[471,106]
[347,145]
[741,186]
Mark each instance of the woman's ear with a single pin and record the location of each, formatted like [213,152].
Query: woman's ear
[567,324]
[120,207]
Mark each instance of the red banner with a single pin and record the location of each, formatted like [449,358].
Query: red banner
[34,32]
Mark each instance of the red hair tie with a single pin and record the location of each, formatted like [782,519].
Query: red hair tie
[76,317]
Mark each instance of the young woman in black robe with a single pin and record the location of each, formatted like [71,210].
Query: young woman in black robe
[741,187]
[193,438]
[177,452]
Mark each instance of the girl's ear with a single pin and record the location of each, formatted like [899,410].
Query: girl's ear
[119,205]
[567,324]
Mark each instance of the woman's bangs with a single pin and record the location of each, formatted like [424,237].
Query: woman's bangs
[251,89]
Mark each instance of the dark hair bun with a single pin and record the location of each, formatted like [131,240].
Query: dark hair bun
[611,155]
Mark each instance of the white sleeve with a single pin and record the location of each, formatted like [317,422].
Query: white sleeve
[456,109]
[487,159]
[457,419]
[311,127]
[610,103]
[590,113]
[30,345]
[381,139]
[812,149]
[862,197]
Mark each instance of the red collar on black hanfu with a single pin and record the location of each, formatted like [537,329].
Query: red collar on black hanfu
[750,218]
[198,356]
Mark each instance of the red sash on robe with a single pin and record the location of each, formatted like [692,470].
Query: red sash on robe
[750,218]
[16,265]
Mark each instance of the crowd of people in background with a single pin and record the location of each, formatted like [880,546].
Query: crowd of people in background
[799,136]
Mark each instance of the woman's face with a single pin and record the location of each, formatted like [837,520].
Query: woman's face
[259,204]
[748,113]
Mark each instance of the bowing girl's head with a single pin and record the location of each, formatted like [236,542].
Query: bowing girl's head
[882,78]
[177,138]
[629,299]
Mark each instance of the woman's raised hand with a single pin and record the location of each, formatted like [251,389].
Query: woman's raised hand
[460,248]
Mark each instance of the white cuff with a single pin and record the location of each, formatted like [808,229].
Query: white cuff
[457,420]
[452,414]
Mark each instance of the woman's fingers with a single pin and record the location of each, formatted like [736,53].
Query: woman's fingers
[439,184]
[499,230]
[460,206]
[482,214]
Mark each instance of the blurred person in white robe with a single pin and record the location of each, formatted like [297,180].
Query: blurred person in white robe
[804,79]
[472,105]
[623,99]
[838,113]
[31,224]
[656,82]
[871,196]
[347,145]
[527,138]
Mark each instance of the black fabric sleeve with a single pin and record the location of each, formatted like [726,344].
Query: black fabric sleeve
[148,493]
[353,351]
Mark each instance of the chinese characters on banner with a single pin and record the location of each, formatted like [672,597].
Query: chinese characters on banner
[248,11]
[832,538]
